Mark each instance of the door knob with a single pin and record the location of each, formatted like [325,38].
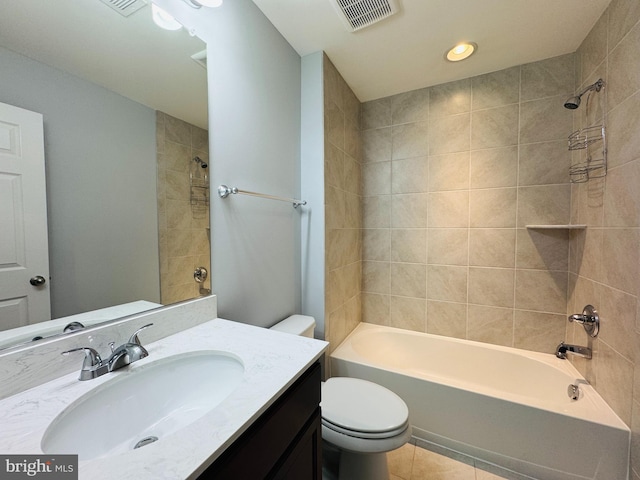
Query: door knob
[37,281]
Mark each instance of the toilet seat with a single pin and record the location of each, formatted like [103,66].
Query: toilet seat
[362,409]
[365,435]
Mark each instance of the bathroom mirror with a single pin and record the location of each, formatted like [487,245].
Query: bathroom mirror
[112,63]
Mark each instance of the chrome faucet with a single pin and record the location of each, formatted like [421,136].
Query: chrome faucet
[564,348]
[129,352]
[93,366]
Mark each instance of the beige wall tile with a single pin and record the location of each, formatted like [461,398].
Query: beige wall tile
[614,372]
[447,283]
[352,175]
[376,145]
[594,47]
[496,89]
[490,325]
[618,312]
[177,130]
[376,178]
[409,245]
[449,209]
[334,124]
[493,208]
[376,114]
[410,106]
[333,166]
[542,249]
[494,167]
[541,291]
[376,277]
[544,205]
[544,163]
[492,247]
[449,172]
[591,202]
[623,14]
[491,286]
[375,308]
[377,211]
[449,134]
[544,120]
[334,290]
[495,127]
[376,244]
[408,313]
[624,69]
[410,140]
[335,208]
[410,175]
[588,246]
[546,78]
[448,246]
[409,280]
[450,98]
[622,196]
[409,211]
[620,259]
[448,319]
[540,332]
[623,125]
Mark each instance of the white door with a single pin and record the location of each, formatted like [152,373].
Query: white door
[24,253]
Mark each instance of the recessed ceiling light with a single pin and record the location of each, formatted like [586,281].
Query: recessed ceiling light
[461,51]
[163,19]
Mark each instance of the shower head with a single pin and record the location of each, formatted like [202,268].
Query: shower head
[199,161]
[574,102]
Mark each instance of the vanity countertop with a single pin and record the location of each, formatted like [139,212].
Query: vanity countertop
[272,362]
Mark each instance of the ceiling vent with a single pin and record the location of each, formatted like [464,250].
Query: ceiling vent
[359,14]
[125,7]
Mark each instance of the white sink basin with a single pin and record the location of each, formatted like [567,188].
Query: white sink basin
[146,404]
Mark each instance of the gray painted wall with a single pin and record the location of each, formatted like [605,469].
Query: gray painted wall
[312,187]
[101,186]
[254,118]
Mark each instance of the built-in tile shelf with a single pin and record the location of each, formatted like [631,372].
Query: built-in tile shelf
[556,227]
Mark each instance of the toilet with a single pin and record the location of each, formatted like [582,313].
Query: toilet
[361,420]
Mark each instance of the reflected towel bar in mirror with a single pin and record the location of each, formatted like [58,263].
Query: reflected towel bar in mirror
[224,192]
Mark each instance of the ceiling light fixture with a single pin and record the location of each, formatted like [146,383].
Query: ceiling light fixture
[461,51]
[162,19]
[203,3]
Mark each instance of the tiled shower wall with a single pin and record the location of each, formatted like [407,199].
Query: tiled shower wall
[605,258]
[342,171]
[452,175]
[183,227]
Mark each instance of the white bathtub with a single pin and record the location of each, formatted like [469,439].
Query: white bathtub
[502,405]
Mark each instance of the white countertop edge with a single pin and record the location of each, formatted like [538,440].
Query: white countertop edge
[272,360]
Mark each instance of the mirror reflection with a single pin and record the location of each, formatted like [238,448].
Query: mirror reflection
[124,111]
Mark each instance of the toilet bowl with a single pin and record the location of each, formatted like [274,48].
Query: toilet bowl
[361,420]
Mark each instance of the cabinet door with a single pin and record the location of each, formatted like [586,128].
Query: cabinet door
[304,461]
[285,438]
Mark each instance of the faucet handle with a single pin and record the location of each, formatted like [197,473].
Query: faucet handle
[589,319]
[92,366]
[134,338]
[91,357]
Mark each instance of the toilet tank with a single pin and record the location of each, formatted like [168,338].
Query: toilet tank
[302,325]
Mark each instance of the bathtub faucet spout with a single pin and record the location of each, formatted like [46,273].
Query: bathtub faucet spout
[564,348]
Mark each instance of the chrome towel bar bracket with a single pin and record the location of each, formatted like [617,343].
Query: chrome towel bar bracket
[224,192]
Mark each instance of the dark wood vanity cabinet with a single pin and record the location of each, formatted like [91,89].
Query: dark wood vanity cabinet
[284,443]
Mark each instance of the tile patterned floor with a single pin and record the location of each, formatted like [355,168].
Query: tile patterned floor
[412,462]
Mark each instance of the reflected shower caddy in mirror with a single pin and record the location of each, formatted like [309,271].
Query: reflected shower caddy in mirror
[591,139]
